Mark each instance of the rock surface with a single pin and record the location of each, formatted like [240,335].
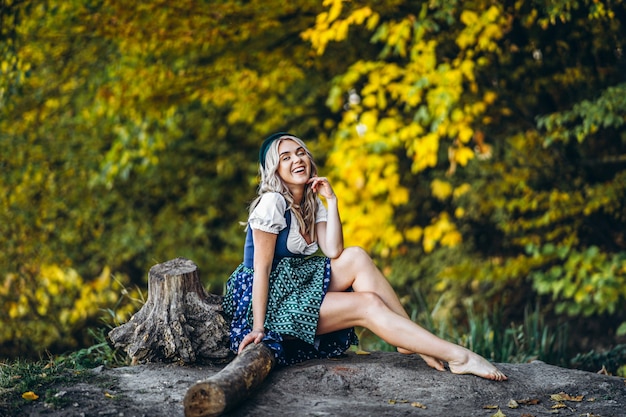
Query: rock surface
[379,384]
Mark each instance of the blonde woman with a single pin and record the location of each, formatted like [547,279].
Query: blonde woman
[304,306]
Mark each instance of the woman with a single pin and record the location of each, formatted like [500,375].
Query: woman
[306,306]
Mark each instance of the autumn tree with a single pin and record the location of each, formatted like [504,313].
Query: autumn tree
[485,143]
[128,136]
[477,147]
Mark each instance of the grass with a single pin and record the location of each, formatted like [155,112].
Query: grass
[19,377]
[517,343]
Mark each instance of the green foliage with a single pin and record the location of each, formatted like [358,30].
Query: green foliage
[18,376]
[138,143]
[612,361]
[586,283]
[53,308]
[513,90]
[518,343]
[587,117]
[129,133]
[465,139]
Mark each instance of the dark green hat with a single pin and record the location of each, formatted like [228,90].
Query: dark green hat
[266,145]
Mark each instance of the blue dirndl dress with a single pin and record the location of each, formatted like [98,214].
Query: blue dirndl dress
[297,286]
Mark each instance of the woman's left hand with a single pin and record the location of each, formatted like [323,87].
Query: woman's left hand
[322,186]
[255,336]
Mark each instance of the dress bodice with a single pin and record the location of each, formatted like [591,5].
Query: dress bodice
[273,216]
[281,250]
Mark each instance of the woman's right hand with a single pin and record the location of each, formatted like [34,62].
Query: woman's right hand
[255,336]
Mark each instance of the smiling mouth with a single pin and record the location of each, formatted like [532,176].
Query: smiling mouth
[299,170]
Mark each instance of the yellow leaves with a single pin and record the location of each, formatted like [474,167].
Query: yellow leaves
[431,91]
[465,134]
[19,308]
[570,76]
[372,21]
[414,234]
[512,404]
[334,11]
[409,99]
[560,399]
[93,295]
[442,231]
[415,404]
[330,27]
[369,101]
[461,189]
[528,401]
[451,238]
[464,40]
[499,413]
[399,35]
[469,17]
[489,97]
[30,116]
[365,169]
[369,119]
[600,11]
[441,189]
[423,151]
[371,225]
[481,31]
[30,396]
[463,154]
[387,127]
[492,14]
[456,116]
[56,302]
[561,396]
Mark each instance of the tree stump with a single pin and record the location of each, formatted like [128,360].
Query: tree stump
[180,322]
[231,385]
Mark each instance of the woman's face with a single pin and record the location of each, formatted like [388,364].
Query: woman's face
[294,165]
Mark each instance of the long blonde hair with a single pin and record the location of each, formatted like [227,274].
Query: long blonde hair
[270,182]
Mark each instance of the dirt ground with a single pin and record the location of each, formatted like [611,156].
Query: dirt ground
[380,384]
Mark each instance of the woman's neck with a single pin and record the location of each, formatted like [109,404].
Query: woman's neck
[297,194]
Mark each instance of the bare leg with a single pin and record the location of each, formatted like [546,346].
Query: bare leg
[342,310]
[354,268]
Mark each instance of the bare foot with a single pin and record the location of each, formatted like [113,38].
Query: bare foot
[472,363]
[432,362]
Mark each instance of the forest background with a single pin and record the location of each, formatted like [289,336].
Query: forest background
[477,148]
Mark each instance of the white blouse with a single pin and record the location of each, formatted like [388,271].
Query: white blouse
[269,216]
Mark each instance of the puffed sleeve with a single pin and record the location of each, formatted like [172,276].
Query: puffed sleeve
[269,214]
[321,215]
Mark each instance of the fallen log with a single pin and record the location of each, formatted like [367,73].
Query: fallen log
[179,322]
[231,385]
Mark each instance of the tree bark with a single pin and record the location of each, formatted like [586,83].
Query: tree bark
[231,385]
[180,322]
